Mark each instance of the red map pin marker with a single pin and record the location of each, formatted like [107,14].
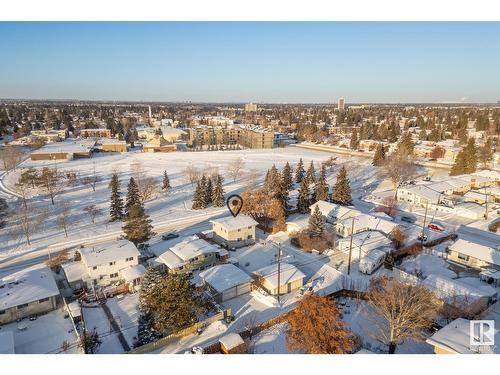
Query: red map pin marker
[234,204]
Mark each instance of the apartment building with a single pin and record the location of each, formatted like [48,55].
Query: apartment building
[245,135]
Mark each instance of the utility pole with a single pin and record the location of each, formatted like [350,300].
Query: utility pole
[423,225]
[486,204]
[350,248]
[279,271]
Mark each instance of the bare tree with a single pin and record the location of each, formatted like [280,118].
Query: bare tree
[93,211]
[249,323]
[50,180]
[29,221]
[64,217]
[406,310]
[399,169]
[192,174]
[397,236]
[11,156]
[146,185]
[251,179]
[22,189]
[235,168]
[60,258]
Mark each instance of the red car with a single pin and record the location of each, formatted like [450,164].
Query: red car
[435,227]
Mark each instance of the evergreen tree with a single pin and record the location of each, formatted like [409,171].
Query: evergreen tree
[280,193]
[286,176]
[299,172]
[166,182]
[405,145]
[198,197]
[321,188]
[3,212]
[133,196]
[316,225]
[354,140]
[272,179]
[379,157]
[116,209]
[137,226]
[466,161]
[303,200]
[218,193]
[342,190]
[311,174]
[208,192]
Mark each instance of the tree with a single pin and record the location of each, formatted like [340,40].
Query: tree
[286,177]
[3,212]
[93,211]
[175,303]
[321,188]
[116,207]
[397,236]
[407,311]
[29,176]
[22,188]
[354,144]
[264,208]
[137,226]
[166,182]
[303,201]
[29,221]
[132,195]
[405,146]
[316,225]
[235,168]
[91,180]
[315,327]
[466,160]
[311,174]
[11,156]
[379,157]
[199,197]
[299,171]
[60,258]
[399,169]
[389,206]
[208,191]
[437,152]
[90,341]
[192,174]
[218,193]
[485,153]
[272,182]
[64,217]
[342,190]
[49,180]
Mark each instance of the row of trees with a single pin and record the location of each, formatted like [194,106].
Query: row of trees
[209,191]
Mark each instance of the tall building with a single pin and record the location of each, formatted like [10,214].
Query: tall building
[250,107]
[341,104]
[250,136]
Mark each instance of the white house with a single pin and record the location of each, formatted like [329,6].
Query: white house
[190,255]
[474,255]
[102,264]
[30,291]
[226,281]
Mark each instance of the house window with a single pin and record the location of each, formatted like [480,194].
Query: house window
[2,312]
[129,259]
[112,263]
[239,239]
[239,230]
[94,268]
[463,257]
[249,237]
[43,300]
[19,307]
[113,275]
[250,227]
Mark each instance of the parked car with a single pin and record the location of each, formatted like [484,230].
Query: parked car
[408,219]
[143,246]
[436,227]
[422,237]
[169,236]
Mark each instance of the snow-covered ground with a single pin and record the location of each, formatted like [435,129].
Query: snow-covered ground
[45,335]
[95,317]
[125,310]
[271,340]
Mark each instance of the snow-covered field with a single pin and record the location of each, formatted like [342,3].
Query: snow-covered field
[44,335]
[167,211]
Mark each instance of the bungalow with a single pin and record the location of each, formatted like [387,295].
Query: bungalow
[474,255]
[455,338]
[364,222]
[226,281]
[102,264]
[190,255]
[290,278]
[30,291]
[333,212]
[363,243]
[234,232]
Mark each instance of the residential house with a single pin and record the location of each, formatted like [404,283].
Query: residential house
[31,291]
[333,212]
[474,255]
[363,243]
[190,255]
[234,232]
[364,222]
[290,278]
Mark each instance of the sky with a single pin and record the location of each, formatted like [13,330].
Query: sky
[274,62]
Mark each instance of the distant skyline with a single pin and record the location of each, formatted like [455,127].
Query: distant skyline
[271,62]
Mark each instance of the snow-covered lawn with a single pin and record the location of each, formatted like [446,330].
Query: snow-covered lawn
[426,264]
[95,317]
[125,310]
[271,340]
[44,335]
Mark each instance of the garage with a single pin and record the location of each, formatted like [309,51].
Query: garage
[226,281]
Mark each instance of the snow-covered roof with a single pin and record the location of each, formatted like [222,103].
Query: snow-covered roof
[108,252]
[365,221]
[74,271]
[478,236]
[225,276]
[329,209]
[473,194]
[231,340]
[423,191]
[489,174]
[170,259]
[288,274]
[74,309]
[450,289]
[133,272]
[111,141]
[7,342]
[455,338]
[68,146]
[185,250]
[231,223]
[367,240]
[28,285]
[478,251]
